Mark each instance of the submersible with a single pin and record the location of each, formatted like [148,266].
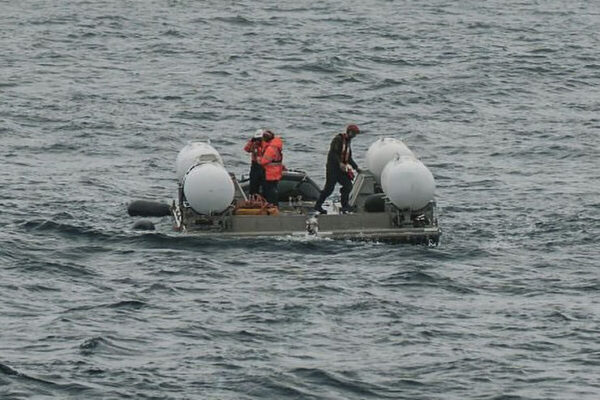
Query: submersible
[393,200]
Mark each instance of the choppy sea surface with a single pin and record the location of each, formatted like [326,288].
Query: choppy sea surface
[500,99]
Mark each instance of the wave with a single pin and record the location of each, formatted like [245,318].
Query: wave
[124,304]
[329,65]
[42,386]
[342,384]
[417,278]
[99,345]
[50,226]
[236,20]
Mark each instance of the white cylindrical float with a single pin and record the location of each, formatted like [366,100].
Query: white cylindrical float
[195,153]
[208,188]
[408,183]
[383,151]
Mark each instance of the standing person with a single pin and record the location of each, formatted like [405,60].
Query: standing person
[272,162]
[254,146]
[339,161]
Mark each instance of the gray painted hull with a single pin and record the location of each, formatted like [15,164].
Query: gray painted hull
[358,226]
[299,219]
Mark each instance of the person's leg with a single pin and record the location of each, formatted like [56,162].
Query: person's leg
[271,193]
[345,190]
[255,178]
[330,181]
[274,193]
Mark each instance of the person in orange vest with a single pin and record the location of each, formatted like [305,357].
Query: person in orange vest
[272,162]
[339,168]
[254,146]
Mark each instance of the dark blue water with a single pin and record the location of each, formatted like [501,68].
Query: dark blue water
[500,99]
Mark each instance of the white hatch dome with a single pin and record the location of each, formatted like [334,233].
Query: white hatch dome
[195,153]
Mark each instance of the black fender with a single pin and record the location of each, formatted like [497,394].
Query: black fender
[143,225]
[375,203]
[147,208]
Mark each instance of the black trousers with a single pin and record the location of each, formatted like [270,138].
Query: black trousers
[257,177]
[270,192]
[335,175]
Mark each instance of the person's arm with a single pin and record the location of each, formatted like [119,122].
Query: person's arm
[248,146]
[352,162]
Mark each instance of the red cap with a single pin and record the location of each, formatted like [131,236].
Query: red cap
[352,128]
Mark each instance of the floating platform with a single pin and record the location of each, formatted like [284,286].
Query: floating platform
[374,217]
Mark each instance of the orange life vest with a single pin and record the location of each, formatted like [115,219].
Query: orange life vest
[272,159]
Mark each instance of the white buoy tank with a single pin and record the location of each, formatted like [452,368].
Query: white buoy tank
[383,151]
[408,183]
[208,188]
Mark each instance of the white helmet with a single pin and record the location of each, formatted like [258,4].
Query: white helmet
[258,134]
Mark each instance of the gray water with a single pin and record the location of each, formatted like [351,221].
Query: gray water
[500,99]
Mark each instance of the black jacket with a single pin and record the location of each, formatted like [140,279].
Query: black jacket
[334,157]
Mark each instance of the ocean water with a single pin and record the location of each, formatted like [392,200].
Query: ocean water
[500,99]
